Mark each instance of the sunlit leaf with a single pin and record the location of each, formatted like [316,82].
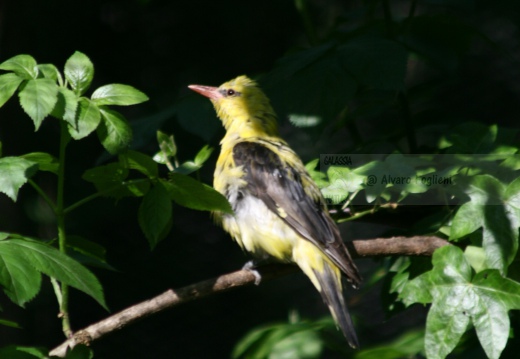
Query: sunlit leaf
[8,85]
[14,173]
[22,65]
[117,94]
[37,98]
[79,72]
[114,132]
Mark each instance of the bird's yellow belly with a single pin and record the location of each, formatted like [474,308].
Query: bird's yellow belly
[259,231]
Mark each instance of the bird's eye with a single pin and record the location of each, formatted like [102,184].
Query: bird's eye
[230,92]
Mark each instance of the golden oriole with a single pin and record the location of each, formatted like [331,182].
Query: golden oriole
[278,209]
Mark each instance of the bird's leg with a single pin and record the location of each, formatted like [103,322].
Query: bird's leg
[251,267]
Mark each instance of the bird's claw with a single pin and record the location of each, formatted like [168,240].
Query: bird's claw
[250,267]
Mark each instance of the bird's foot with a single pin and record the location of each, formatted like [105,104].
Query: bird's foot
[250,266]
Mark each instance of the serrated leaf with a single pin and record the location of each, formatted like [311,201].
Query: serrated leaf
[193,194]
[114,132]
[37,98]
[118,94]
[18,278]
[140,162]
[8,85]
[22,65]
[14,173]
[50,261]
[66,106]
[45,161]
[49,71]
[155,214]
[87,119]
[79,72]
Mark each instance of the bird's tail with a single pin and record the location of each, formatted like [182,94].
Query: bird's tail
[331,291]
[326,277]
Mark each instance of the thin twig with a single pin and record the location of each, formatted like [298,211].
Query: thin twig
[415,246]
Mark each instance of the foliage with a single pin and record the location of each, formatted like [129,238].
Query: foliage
[374,84]
[471,174]
[43,91]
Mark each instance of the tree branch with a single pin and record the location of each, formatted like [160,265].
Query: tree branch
[410,246]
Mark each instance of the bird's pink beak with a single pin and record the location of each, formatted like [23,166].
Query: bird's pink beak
[210,92]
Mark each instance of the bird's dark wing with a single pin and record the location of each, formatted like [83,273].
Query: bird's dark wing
[280,187]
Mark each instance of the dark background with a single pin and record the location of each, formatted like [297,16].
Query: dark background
[160,47]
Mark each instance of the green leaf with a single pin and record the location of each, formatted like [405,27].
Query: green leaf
[45,161]
[87,252]
[512,193]
[342,182]
[87,119]
[140,162]
[117,94]
[299,339]
[80,352]
[20,352]
[8,85]
[467,220]
[408,345]
[492,207]
[49,71]
[66,106]
[500,236]
[109,180]
[79,72]
[14,173]
[476,257]
[37,98]
[52,262]
[114,132]
[22,65]
[193,194]
[203,155]
[460,298]
[166,144]
[18,278]
[192,166]
[155,214]
[9,323]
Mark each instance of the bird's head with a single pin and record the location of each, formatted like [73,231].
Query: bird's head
[242,106]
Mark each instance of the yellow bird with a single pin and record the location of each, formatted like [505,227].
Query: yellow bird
[279,211]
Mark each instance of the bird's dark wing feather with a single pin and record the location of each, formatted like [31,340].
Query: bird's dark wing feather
[280,188]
